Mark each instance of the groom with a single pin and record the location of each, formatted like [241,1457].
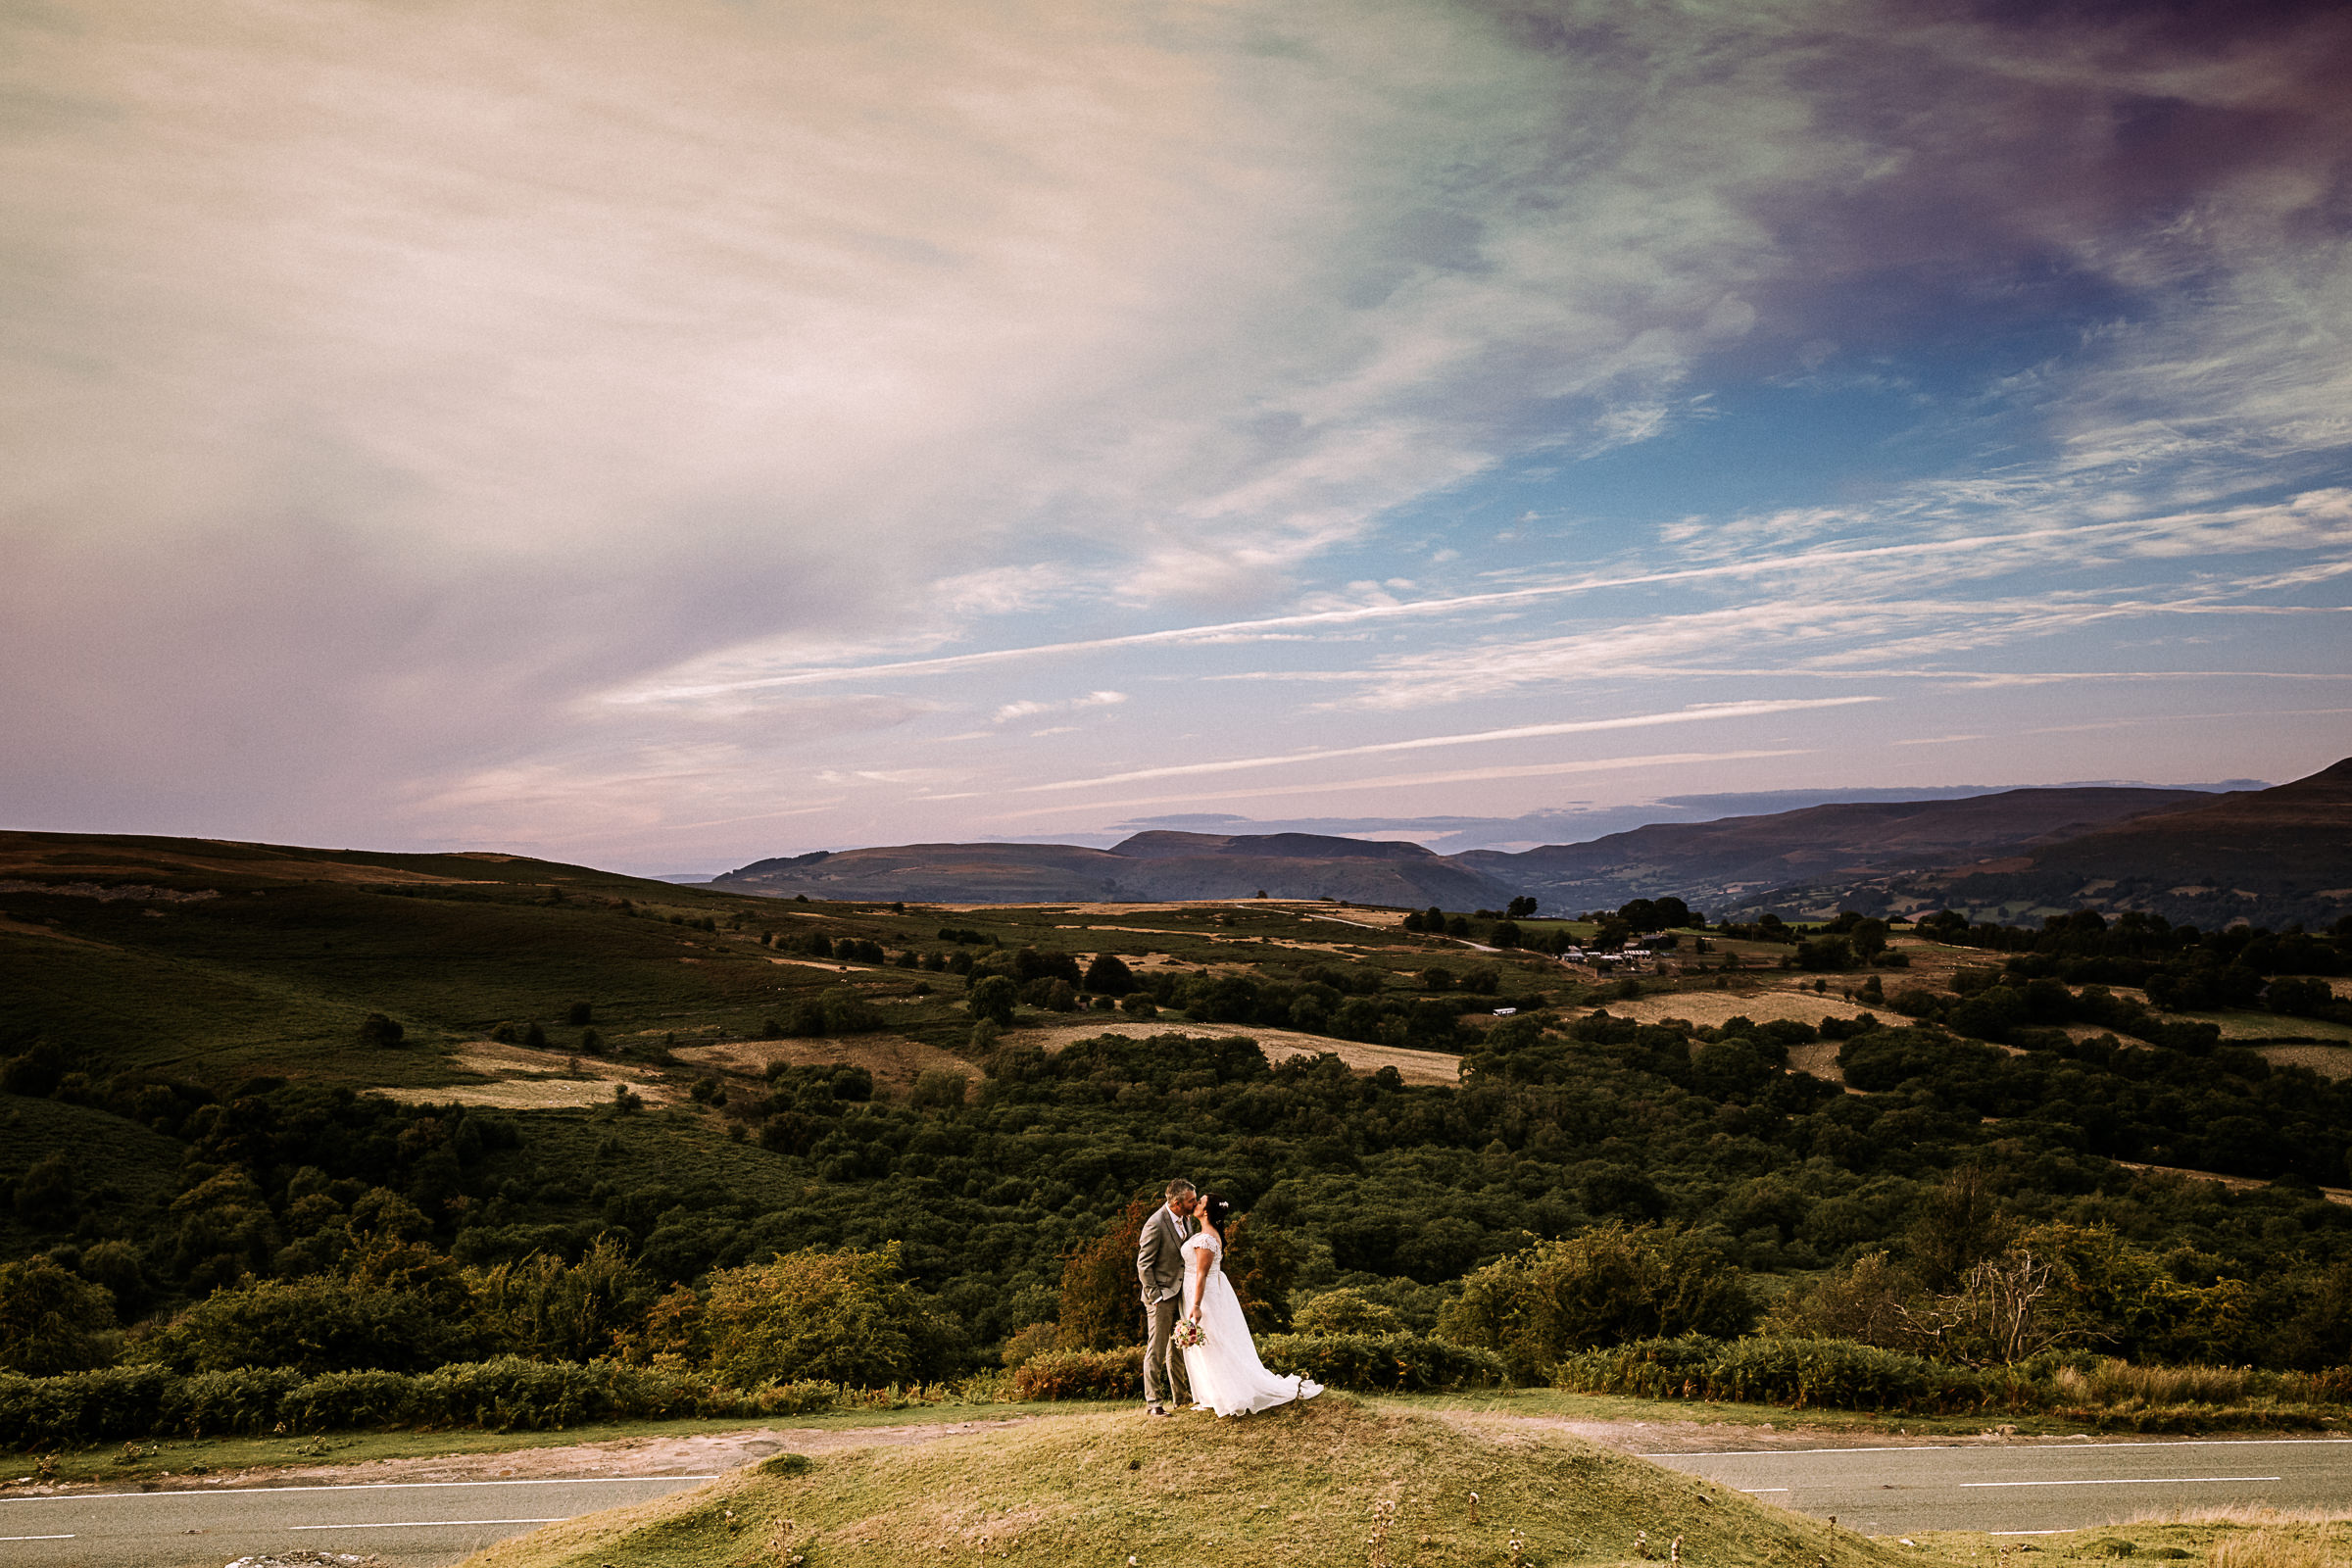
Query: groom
[1159,1268]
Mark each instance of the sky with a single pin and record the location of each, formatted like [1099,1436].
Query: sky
[666,435]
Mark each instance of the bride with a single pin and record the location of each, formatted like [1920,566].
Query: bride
[1222,1362]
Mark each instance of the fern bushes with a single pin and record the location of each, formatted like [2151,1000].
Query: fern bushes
[1847,1375]
[510,1394]
[1370,1363]
[1832,1374]
[1382,1363]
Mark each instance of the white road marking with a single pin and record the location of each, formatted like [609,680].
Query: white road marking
[1752,1490]
[433,1524]
[2137,1481]
[345,1486]
[36,1537]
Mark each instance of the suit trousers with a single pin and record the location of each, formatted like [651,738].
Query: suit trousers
[1163,1363]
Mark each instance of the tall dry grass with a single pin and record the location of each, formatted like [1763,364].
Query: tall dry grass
[2268,1548]
[2112,1382]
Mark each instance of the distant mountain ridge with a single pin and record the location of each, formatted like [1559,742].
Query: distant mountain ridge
[1150,867]
[1727,862]
[2285,852]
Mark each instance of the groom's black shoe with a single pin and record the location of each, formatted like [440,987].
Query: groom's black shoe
[1154,1410]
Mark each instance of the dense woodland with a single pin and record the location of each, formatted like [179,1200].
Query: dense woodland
[193,1219]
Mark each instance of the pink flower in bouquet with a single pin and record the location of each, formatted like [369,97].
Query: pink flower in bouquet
[1188,1336]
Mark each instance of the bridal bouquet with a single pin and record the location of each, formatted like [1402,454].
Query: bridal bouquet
[1188,1334]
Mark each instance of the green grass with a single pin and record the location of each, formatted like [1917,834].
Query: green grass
[1292,1486]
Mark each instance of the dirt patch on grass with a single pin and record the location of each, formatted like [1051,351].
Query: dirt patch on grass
[894,1061]
[524,1079]
[1279,1045]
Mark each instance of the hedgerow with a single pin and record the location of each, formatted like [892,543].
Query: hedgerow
[1382,1363]
[509,1394]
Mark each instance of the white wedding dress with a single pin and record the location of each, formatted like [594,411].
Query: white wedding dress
[1225,1372]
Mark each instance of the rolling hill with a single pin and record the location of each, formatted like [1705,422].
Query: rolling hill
[1729,862]
[2272,856]
[1148,868]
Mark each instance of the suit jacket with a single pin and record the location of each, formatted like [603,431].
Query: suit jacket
[1160,1258]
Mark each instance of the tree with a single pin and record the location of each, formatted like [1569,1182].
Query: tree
[1520,909]
[51,1321]
[846,1318]
[1602,1287]
[1109,976]
[1958,1226]
[579,1014]
[377,1032]
[992,1000]
[552,1311]
[1262,1263]
[1102,1301]
[45,1193]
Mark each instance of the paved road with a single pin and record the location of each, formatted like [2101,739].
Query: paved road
[2022,1488]
[413,1524]
[2032,1488]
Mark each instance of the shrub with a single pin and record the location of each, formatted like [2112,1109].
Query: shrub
[1381,1363]
[377,1032]
[1603,1286]
[1347,1311]
[1080,1375]
[1836,1374]
[544,1308]
[320,1324]
[844,1316]
[507,1394]
[1034,1341]
[51,1321]
[1102,1301]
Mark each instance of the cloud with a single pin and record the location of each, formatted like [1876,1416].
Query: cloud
[1473,775]
[487,420]
[1707,713]
[1032,707]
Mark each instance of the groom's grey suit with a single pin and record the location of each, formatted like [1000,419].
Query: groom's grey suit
[1160,1269]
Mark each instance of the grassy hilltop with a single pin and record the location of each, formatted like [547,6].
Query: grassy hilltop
[1289,1489]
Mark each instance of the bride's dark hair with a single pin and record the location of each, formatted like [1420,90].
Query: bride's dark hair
[1214,1209]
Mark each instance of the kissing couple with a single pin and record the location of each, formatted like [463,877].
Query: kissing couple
[1194,1334]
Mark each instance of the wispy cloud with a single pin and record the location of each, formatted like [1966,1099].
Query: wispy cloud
[1031,708]
[1471,775]
[1705,713]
